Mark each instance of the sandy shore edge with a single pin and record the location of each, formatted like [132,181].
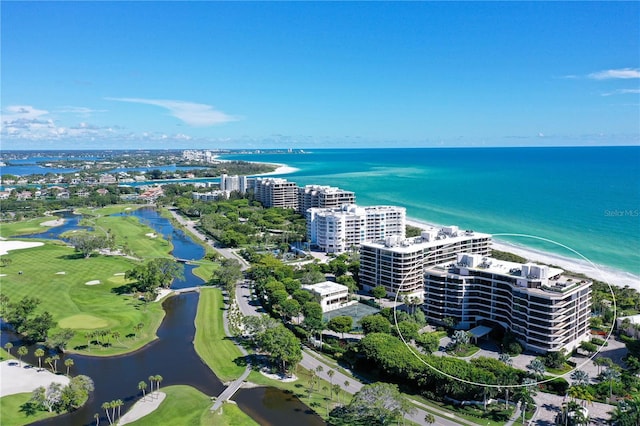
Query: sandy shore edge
[143,407]
[23,378]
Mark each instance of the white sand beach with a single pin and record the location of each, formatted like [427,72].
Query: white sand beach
[51,223]
[282,169]
[25,378]
[6,246]
[142,407]
[598,272]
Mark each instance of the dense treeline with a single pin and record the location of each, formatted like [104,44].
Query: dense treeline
[241,222]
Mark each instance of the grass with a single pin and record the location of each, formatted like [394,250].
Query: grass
[211,343]
[132,234]
[183,405]
[318,399]
[70,301]
[12,415]
[228,415]
[186,406]
[24,227]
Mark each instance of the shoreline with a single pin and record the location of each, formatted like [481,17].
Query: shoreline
[612,276]
[281,169]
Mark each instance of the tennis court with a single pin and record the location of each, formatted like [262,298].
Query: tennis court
[355,311]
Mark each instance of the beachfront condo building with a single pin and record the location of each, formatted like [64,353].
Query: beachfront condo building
[275,192]
[320,196]
[544,309]
[233,183]
[336,230]
[399,263]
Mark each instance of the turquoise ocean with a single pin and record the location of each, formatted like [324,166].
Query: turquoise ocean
[585,198]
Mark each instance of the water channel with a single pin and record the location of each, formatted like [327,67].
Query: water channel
[172,355]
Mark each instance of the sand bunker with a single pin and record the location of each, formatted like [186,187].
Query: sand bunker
[3,275]
[118,274]
[6,246]
[151,235]
[56,222]
[61,273]
[93,282]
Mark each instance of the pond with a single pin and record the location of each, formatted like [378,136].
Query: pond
[172,355]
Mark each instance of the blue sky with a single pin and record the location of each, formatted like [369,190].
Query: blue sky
[306,75]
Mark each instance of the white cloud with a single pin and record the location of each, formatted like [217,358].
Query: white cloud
[191,113]
[623,92]
[21,112]
[622,73]
[80,111]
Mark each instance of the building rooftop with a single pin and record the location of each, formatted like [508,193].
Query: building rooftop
[325,288]
[550,279]
[430,237]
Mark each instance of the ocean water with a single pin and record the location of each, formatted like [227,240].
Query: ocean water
[586,198]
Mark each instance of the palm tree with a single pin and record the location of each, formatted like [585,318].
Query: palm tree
[580,377]
[68,363]
[55,359]
[151,379]
[336,389]
[49,361]
[113,404]
[39,353]
[158,379]
[611,374]
[504,357]
[346,385]
[105,407]
[89,335]
[8,346]
[330,373]
[119,404]
[142,385]
[97,417]
[429,419]
[22,351]
[537,367]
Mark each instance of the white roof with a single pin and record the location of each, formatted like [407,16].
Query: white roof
[327,287]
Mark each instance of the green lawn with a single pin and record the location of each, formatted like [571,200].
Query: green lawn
[211,343]
[183,405]
[76,305]
[11,414]
[24,227]
[228,415]
[186,406]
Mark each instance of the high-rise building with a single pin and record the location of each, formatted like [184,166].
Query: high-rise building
[398,263]
[319,196]
[544,309]
[276,192]
[335,230]
[233,183]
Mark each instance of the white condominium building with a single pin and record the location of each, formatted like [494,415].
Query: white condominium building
[545,310]
[329,295]
[276,192]
[233,183]
[319,196]
[335,230]
[398,264]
